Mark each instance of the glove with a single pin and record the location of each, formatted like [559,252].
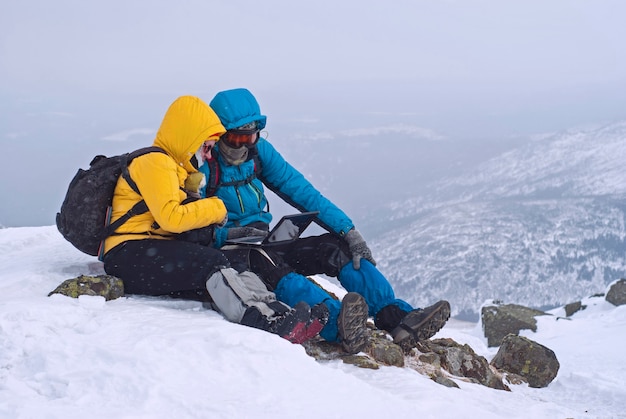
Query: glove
[202,236]
[195,182]
[358,248]
[239,232]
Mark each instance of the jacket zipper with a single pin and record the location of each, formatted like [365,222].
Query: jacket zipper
[240,200]
[257,193]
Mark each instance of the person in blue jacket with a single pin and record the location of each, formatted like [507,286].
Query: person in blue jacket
[243,164]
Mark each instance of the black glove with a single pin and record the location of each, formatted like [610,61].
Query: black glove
[239,232]
[358,248]
[203,236]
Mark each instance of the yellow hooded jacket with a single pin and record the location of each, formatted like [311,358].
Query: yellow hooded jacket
[187,124]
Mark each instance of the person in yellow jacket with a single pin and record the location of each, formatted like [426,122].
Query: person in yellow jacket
[155,253]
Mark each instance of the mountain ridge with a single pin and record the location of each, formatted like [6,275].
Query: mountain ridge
[540,224]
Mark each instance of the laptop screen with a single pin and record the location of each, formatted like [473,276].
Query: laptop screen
[290,227]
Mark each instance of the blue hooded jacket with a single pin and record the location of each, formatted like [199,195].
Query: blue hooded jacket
[242,187]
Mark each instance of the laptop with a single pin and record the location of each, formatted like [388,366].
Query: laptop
[288,229]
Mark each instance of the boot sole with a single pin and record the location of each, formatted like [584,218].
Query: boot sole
[426,328]
[352,323]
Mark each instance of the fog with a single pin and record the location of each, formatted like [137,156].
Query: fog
[393,95]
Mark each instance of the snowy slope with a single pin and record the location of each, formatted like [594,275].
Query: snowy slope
[542,225]
[152,358]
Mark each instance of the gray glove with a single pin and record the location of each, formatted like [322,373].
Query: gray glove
[358,248]
[239,232]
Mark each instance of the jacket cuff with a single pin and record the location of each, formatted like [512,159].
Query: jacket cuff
[221,234]
[342,233]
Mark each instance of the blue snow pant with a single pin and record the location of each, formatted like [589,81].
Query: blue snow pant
[367,281]
[328,254]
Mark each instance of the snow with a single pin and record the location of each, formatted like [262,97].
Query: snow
[140,357]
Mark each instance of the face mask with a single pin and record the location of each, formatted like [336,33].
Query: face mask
[233,156]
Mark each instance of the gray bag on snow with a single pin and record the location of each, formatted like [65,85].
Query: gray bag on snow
[233,293]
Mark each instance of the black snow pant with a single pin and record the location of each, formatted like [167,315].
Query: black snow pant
[325,254]
[164,267]
[192,271]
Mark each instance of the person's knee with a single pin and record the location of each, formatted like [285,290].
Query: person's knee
[269,266]
[370,283]
[331,256]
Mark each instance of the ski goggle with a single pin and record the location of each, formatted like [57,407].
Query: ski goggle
[239,137]
[208,146]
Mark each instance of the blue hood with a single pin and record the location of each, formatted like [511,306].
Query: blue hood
[237,107]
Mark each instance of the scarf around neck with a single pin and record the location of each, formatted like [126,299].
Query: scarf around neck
[233,156]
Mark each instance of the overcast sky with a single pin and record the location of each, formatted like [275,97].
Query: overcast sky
[79,76]
[192,44]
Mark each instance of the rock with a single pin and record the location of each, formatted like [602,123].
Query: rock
[384,350]
[573,308]
[322,350]
[523,357]
[515,379]
[617,293]
[445,381]
[361,361]
[428,364]
[106,286]
[430,358]
[380,351]
[461,361]
[500,320]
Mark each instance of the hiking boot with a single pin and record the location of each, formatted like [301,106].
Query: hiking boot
[317,321]
[352,323]
[292,324]
[421,324]
[302,322]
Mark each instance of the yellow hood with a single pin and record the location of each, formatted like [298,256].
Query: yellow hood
[186,125]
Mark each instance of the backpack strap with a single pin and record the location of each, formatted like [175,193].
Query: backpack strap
[129,157]
[140,207]
[258,166]
[214,172]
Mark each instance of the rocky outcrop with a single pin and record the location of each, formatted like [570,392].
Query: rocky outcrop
[499,320]
[380,351]
[535,363]
[519,359]
[442,360]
